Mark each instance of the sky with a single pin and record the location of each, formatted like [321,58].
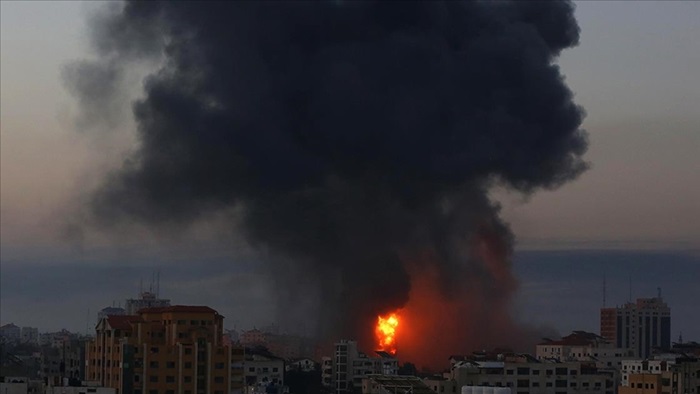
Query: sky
[635,210]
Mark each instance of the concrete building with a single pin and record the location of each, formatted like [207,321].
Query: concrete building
[643,367]
[21,385]
[350,366]
[64,364]
[147,299]
[389,384]
[80,390]
[642,383]
[29,335]
[301,365]
[327,372]
[10,333]
[525,374]
[640,326]
[175,349]
[583,346]
[110,311]
[253,337]
[678,375]
[264,373]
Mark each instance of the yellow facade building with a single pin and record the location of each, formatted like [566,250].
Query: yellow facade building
[170,350]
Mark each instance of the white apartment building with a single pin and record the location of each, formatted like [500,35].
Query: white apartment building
[350,366]
[526,375]
[262,372]
[630,367]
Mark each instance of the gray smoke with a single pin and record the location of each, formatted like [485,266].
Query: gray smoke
[359,139]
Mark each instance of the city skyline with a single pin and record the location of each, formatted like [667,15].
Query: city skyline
[633,217]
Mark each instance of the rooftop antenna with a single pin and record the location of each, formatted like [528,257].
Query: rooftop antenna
[604,288]
[629,299]
[680,338]
[141,287]
[87,323]
[658,292]
[158,284]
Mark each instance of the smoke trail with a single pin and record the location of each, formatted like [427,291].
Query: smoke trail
[359,139]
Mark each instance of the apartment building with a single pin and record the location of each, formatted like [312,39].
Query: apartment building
[174,349]
[350,366]
[524,374]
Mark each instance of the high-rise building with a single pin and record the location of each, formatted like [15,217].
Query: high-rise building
[176,349]
[640,326]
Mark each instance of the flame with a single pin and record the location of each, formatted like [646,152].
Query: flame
[386,332]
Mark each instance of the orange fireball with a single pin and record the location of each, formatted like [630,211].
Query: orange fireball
[386,332]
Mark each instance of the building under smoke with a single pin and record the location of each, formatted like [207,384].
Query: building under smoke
[357,143]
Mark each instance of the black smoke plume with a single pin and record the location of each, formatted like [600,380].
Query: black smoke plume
[359,139]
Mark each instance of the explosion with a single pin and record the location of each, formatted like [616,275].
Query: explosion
[386,332]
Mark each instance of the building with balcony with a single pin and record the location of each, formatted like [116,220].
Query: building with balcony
[175,349]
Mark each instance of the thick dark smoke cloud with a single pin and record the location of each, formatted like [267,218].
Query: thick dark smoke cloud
[359,139]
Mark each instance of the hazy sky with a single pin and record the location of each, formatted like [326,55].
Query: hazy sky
[635,72]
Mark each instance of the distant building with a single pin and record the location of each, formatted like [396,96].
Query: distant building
[253,337]
[301,365]
[175,349]
[584,346]
[264,372]
[640,326]
[29,335]
[147,299]
[63,362]
[10,333]
[524,373]
[383,384]
[110,311]
[641,367]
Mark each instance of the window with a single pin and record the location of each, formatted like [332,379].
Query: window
[219,366]
[509,371]
[523,383]
[154,349]
[188,379]
[153,364]
[275,369]
[170,379]
[188,365]
[218,379]
[193,322]
[137,378]
[535,371]
[170,364]
[182,322]
[153,379]
[251,369]
[188,350]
